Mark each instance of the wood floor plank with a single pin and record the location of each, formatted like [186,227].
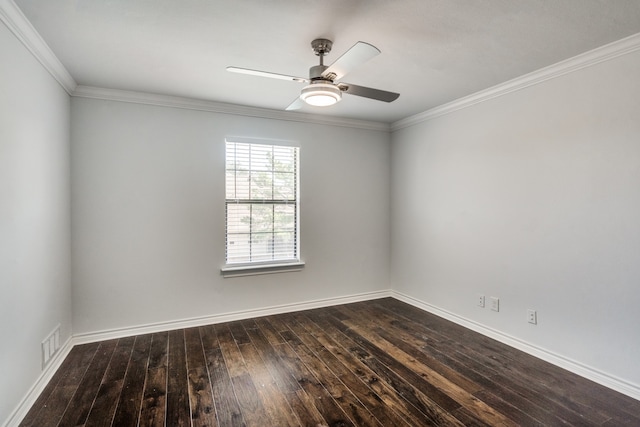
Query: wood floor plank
[239,333]
[208,337]
[518,416]
[55,408]
[104,406]
[244,388]
[349,403]
[618,420]
[395,406]
[436,396]
[269,331]
[130,401]
[154,403]
[273,400]
[371,363]
[154,406]
[52,402]
[305,409]
[227,409]
[415,395]
[203,412]
[78,409]
[159,350]
[248,324]
[395,398]
[283,378]
[537,380]
[278,322]
[413,346]
[420,398]
[78,365]
[460,395]
[120,360]
[249,400]
[233,358]
[178,411]
[324,403]
[547,405]
[224,396]
[369,398]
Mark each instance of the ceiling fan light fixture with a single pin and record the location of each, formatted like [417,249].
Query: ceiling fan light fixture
[321,94]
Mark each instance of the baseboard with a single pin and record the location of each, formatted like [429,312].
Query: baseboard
[612,382]
[595,375]
[34,392]
[85,338]
[32,395]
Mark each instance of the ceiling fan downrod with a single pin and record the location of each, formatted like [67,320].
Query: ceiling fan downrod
[321,47]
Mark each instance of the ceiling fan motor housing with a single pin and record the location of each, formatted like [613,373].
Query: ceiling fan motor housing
[316,71]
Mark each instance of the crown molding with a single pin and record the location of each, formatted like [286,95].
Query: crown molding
[20,26]
[601,54]
[82,91]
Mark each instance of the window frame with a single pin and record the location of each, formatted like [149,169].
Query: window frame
[268,266]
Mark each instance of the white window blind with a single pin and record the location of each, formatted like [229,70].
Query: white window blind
[261,203]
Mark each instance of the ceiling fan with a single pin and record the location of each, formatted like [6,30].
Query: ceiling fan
[324,86]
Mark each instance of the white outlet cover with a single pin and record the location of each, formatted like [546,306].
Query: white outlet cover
[495,304]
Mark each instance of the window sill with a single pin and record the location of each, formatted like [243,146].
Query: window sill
[231,270]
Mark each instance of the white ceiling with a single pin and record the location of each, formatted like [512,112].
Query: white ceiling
[433,51]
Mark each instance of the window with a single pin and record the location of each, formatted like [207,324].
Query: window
[262,207]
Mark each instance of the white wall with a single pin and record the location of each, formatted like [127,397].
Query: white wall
[148,214]
[34,217]
[533,197]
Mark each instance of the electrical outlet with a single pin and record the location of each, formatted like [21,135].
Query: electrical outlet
[480,300]
[495,303]
[532,317]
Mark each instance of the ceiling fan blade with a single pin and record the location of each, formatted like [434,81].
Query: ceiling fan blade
[266,74]
[359,53]
[367,92]
[295,105]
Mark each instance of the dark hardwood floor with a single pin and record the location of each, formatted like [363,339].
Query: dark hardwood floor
[376,363]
